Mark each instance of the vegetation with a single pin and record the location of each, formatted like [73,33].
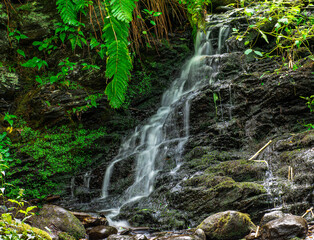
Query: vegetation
[54,152]
[289,25]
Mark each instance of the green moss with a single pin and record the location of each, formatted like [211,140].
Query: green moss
[53,152]
[65,236]
[239,170]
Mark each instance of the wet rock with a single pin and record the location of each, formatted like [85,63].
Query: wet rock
[58,220]
[227,225]
[140,237]
[284,228]
[89,220]
[200,234]
[101,232]
[121,237]
[270,217]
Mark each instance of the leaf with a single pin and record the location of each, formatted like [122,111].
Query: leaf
[62,37]
[119,63]
[152,22]
[248,51]
[264,36]
[21,52]
[258,53]
[122,9]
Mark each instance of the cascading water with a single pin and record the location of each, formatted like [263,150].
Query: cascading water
[166,132]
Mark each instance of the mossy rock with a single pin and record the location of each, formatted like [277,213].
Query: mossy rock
[65,236]
[227,225]
[240,170]
[61,219]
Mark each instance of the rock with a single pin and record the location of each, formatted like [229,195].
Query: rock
[140,237]
[101,232]
[120,237]
[285,228]
[227,225]
[58,220]
[89,220]
[270,217]
[200,234]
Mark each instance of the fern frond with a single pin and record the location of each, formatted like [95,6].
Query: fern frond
[122,9]
[119,62]
[67,11]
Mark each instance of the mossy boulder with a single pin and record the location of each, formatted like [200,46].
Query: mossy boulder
[227,225]
[59,220]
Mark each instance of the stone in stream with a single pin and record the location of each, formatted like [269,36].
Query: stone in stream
[58,220]
[101,232]
[227,225]
[285,228]
[270,217]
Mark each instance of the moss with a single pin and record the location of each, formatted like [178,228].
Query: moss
[227,225]
[65,236]
[239,170]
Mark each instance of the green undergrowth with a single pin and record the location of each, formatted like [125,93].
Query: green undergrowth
[41,157]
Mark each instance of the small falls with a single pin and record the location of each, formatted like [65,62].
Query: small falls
[165,133]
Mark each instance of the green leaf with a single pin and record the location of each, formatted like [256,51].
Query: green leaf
[21,52]
[258,53]
[264,36]
[62,37]
[122,9]
[248,51]
[152,22]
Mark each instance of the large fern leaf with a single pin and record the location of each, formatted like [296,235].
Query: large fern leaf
[122,9]
[119,63]
[67,11]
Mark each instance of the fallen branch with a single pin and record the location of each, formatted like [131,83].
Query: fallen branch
[307,211]
[259,151]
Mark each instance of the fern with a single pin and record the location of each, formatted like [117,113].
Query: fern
[119,63]
[68,11]
[122,9]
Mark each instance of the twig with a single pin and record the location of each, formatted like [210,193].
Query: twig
[257,230]
[259,151]
[307,211]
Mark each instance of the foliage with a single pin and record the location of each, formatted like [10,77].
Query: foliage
[35,62]
[54,152]
[310,105]
[196,10]
[10,228]
[286,23]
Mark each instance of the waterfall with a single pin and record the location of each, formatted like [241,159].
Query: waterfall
[166,132]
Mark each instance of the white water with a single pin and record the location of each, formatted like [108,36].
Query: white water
[166,132]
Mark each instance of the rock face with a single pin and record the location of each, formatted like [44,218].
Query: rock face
[227,225]
[58,220]
[101,232]
[284,228]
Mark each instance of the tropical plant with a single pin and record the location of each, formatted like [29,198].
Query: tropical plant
[287,23]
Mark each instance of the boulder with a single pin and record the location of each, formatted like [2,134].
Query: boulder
[270,217]
[58,220]
[285,228]
[101,232]
[227,225]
